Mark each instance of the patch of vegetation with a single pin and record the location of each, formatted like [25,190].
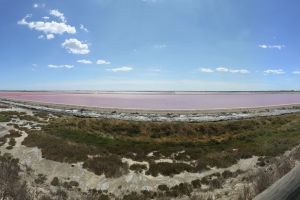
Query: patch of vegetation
[110,166]
[7,116]
[11,185]
[40,179]
[4,118]
[168,169]
[180,190]
[163,187]
[55,181]
[11,143]
[11,137]
[54,148]
[13,133]
[71,184]
[134,196]
[220,144]
[96,194]
[138,168]
[60,194]
[41,114]
[196,183]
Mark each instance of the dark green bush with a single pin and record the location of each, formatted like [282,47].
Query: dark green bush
[110,166]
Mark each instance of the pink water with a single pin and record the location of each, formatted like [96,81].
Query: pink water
[161,100]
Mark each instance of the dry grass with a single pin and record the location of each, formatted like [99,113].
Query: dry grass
[11,185]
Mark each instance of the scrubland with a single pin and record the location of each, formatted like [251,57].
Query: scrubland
[157,149]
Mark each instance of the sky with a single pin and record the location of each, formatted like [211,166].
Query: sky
[204,45]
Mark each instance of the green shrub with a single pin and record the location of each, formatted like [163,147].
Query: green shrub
[110,166]
[196,183]
[138,168]
[40,179]
[163,188]
[55,181]
[168,169]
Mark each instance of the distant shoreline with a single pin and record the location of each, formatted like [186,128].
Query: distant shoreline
[129,110]
[157,102]
[150,91]
[157,115]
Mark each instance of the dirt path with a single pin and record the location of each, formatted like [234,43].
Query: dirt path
[3,131]
[286,188]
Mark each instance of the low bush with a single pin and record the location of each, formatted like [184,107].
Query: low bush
[168,169]
[196,183]
[138,168]
[55,181]
[14,133]
[11,185]
[70,184]
[111,166]
[40,179]
[54,148]
[95,194]
[163,188]
[180,190]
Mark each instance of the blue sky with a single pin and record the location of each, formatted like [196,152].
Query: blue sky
[150,44]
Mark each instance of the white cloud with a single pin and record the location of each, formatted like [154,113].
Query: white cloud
[60,66]
[41,37]
[75,46]
[160,46]
[58,14]
[84,61]
[206,70]
[102,62]
[50,36]
[48,27]
[121,69]
[39,5]
[82,27]
[296,72]
[240,71]
[224,70]
[274,71]
[234,71]
[265,46]
[46,17]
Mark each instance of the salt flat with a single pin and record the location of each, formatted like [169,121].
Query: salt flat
[161,100]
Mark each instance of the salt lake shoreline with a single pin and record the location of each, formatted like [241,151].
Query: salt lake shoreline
[157,115]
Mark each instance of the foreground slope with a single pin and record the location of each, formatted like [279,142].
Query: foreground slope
[116,159]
